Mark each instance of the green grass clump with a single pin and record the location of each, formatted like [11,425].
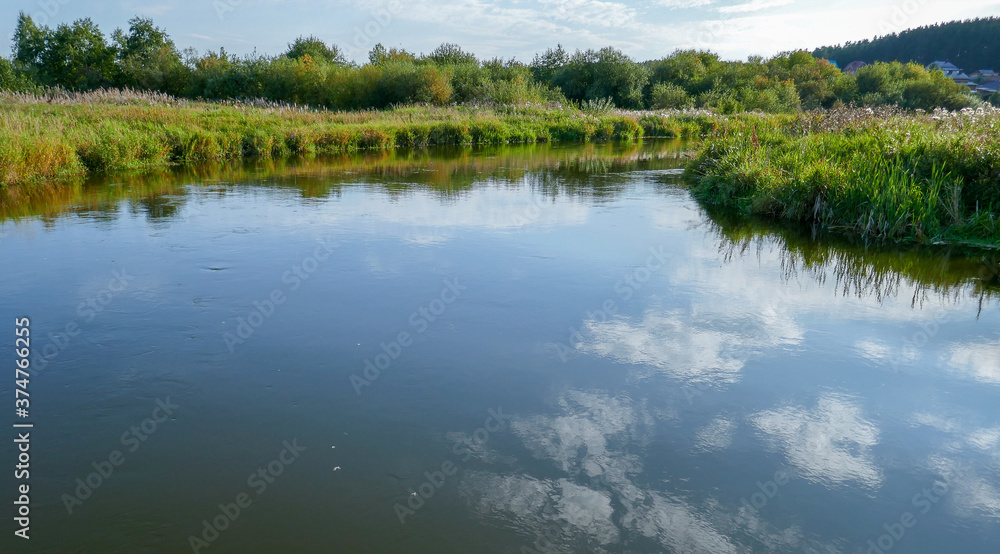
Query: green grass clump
[51,136]
[921,177]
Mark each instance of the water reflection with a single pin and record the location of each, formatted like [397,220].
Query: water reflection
[591,172]
[554,169]
[874,270]
[601,497]
[702,347]
[831,443]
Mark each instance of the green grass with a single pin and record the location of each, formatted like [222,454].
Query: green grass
[50,138]
[909,177]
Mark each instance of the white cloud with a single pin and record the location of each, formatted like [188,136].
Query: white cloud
[579,442]
[980,360]
[874,350]
[967,463]
[587,509]
[985,439]
[674,342]
[717,435]
[934,421]
[831,443]
[684,4]
[754,6]
[972,494]
[590,12]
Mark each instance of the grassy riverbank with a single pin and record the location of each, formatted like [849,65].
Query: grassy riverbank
[47,138]
[884,173]
[877,173]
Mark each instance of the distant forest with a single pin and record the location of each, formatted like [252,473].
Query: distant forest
[971,45]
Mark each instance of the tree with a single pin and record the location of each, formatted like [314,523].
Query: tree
[13,78]
[29,42]
[451,54]
[973,44]
[909,86]
[316,49]
[544,66]
[690,69]
[617,77]
[818,82]
[379,55]
[148,59]
[75,56]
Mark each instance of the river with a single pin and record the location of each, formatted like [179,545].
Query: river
[546,348]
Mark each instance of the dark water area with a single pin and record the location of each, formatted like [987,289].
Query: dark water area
[546,348]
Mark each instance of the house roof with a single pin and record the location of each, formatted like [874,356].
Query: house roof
[854,66]
[944,66]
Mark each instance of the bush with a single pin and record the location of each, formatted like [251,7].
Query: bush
[909,86]
[14,79]
[668,96]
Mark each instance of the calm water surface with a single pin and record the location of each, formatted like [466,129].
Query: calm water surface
[531,349]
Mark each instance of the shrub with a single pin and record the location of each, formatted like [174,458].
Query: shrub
[668,96]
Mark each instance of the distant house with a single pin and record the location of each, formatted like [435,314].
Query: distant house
[834,63]
[951,71]
[984,75]
[988,89]
[853,67]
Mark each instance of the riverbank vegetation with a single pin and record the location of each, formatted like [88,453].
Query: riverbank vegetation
[61,135]
[875,173]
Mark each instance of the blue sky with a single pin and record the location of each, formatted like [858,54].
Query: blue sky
[644,29]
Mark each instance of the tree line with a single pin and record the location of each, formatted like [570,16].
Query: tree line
[972,44]
[78,56]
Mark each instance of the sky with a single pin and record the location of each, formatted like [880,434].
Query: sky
[643,29]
